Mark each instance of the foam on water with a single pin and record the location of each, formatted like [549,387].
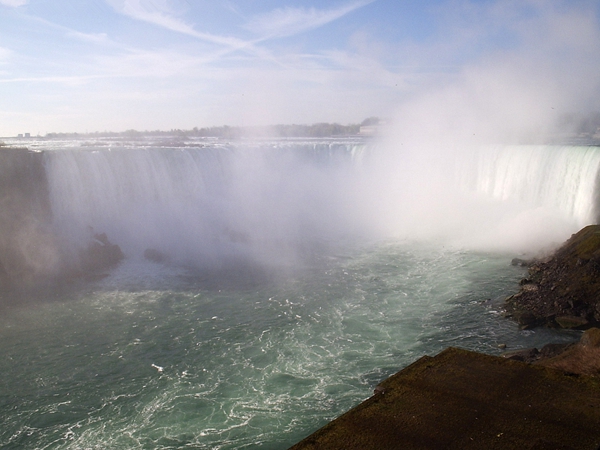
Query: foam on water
[254,367]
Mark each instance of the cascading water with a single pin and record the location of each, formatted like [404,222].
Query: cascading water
[537,195]
[267,202]
[176,354]
[515,198]
[201,205]
[560,177]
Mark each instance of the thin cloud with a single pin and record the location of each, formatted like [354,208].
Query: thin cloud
[289,21]
[162,16]
[97,38]
[13,3]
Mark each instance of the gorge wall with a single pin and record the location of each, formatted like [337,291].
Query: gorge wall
[28,248]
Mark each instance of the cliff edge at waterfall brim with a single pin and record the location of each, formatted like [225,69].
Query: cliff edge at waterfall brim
[563,290]
[465,400]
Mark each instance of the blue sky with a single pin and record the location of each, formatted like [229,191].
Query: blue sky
[95,65]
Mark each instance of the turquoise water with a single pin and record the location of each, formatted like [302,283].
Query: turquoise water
[167,357]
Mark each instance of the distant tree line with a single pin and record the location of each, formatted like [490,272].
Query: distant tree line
[316,130]
[280,131]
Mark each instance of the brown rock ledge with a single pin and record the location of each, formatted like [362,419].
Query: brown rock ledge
[464,400]
[562,291]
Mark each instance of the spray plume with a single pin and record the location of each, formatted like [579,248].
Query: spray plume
[441,140]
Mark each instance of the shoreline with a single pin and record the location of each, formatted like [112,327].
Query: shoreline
[561,290]
[461,399]
[523,399]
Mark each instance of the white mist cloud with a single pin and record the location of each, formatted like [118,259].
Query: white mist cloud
[290,20]
[545,66]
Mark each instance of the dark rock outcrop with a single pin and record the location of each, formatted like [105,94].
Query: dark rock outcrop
[581,358]
[100,254]
[31,254]
[563,290]
[522,262]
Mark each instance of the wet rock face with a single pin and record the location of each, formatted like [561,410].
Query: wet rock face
[30,253]
[28,248]
[562,291]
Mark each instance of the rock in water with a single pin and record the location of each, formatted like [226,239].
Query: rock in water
[154,255]
[100,254]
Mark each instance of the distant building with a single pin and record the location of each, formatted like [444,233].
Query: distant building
[20,135]
[371,126]
[369,130]
[27,135]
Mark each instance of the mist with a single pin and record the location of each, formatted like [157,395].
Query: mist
[271,204]
[515,96]
[469,157]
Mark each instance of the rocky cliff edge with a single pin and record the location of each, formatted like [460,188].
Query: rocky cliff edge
[562,291]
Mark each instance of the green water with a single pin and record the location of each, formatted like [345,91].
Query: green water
[157,357]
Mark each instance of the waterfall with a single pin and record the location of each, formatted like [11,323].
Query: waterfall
[202,205]
[272,201]
[276,202]
[510,198]
[554,176]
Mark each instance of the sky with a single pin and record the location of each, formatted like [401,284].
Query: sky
[114,65]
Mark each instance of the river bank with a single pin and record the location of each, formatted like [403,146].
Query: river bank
[529,398]
[562,291]
[460,399]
